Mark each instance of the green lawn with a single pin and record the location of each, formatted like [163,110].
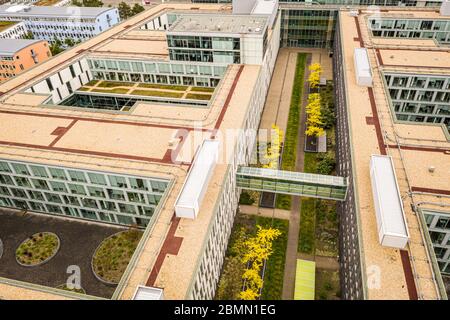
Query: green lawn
[113,255]
[37,248]
[195,96]
[202,89]
[230,283]
[92,83]
[162,86]
[318,218]
[116,90]
[112,84]
[155,93]
[291,136]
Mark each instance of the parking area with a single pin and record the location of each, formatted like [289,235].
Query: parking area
[78,241]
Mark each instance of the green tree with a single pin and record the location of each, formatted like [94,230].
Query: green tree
[29,35]
[92,3]
[137,8]
[326,165]
[124,11]
[56,47]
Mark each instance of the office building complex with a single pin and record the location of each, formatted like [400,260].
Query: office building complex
[18,55]
[129,158]
[50,23]
[410,127]
[151,125]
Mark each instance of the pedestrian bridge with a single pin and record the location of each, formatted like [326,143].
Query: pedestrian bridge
[292,183]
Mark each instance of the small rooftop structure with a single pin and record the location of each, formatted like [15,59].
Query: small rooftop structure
[362,67]
[392,229]
[211,23]
[148,293]
[445,8]
[191,196]
[9,47]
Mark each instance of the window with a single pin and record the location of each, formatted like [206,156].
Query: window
[76,189]
[22,182]
[126,208]
[38,171]
[52,197]
[57,173]
[138,184]
[89,203]
[96,192]
[77,176]
[6,180]
[58,186]
[20,168]
[97,178]
[117,181]
[4,167]
[116,194]
[40,184]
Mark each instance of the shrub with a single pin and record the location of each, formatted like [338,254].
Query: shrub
[326,165]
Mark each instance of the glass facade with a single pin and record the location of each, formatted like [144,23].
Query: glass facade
[411,28]
[420,98]
[293,183]
[156,72]
[105,197]
[204,49]
[308,28]
[438,224]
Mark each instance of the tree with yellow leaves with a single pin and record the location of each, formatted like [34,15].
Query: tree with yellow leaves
[273,151]
[314,120]
[314,76]
[258,249]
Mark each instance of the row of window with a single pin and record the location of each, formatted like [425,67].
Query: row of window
[83,213]
[153,68]
[80,176]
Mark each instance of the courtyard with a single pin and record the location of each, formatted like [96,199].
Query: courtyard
[78,241]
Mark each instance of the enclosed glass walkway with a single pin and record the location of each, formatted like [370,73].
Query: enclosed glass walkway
[292,183]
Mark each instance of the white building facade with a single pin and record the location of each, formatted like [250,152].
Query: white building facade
[75,23]
[16,31]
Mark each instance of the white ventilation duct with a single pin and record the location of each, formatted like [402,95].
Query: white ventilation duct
[391,223]
[197,180]
[362,67]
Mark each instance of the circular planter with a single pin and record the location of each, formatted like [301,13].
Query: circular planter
[33,253]
[64,287]
[112,256]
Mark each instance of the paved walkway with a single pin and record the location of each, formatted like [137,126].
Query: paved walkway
[328,263]
[265,212]
[276,108]
[294,221]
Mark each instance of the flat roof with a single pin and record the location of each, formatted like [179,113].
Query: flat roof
[9,47]
[106,141]
[50,11]
[414,147]
[211,23]
[389,203]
